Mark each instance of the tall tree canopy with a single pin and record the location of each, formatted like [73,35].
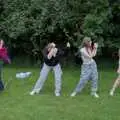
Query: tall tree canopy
[29,24]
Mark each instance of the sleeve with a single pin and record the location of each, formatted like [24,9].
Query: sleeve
[45,53]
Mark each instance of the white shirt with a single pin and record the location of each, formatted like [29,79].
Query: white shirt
[86,58]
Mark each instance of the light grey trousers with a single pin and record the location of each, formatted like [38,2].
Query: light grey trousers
[88,72]
[43,76]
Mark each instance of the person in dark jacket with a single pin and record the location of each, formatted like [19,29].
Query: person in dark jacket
[51,55]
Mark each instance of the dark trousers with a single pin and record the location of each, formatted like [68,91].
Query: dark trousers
[1,83]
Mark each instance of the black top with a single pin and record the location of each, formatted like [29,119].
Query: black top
[54,60]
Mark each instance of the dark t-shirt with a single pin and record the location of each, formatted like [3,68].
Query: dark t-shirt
[54,60]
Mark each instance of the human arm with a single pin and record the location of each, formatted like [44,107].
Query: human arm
[88,52]
[52,53]
[118,70]
[94,52]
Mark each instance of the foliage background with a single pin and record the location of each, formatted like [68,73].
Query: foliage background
[28,25]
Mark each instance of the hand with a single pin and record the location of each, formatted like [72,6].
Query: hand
[95,45]
[68,44]
[49,55]
[55,52]
[52,52]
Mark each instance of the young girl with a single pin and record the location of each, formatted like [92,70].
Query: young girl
[51,55]
[117,81]
[89,67]
[3,58]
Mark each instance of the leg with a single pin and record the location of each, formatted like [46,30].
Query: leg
[58,74]
[1,83]
[115,85]
[40,82]
[85,75]
[94,80]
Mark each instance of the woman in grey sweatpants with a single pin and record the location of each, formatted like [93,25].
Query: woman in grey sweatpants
[89,67]
[51,56]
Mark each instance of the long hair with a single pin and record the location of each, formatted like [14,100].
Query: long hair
[85,40]
[83,44]
[50,46]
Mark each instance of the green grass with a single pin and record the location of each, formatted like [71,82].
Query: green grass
[17,104]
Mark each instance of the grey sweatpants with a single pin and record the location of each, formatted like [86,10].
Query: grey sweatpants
[88,72]
[43,76]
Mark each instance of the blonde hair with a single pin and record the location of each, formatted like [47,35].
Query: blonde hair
[85,40]
[50,46]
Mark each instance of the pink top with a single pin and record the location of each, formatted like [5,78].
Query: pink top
[4,55]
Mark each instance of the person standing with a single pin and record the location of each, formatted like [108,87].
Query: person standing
[51,55]
[117,81]
[89,67]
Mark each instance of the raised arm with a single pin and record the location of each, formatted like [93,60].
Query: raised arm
[89,53]
[94,52]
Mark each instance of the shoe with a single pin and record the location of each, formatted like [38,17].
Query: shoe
[57,94]
[73,94]
[111,93]
[34,92]
[95,95]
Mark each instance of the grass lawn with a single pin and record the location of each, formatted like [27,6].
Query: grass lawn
[17,104]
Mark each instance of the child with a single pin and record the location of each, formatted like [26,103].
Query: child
[117,81]
[89,67]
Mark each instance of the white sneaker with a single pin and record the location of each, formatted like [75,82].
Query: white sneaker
[73,94]
[111,93]
[34,92]
[95,95]
[57,94]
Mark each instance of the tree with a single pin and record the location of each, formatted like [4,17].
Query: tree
[28,25]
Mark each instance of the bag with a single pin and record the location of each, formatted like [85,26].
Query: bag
[23,75]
